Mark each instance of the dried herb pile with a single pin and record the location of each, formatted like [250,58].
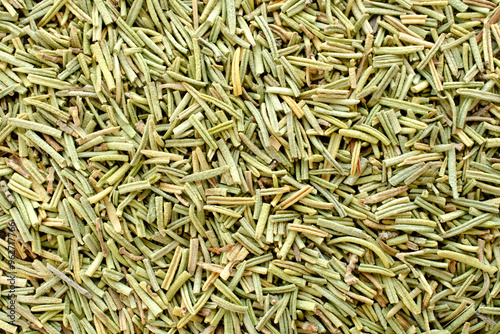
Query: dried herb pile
[250,167]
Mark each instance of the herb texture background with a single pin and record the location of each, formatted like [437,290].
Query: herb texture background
[248,166]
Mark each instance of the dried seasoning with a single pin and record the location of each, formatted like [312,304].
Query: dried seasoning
[218,166]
